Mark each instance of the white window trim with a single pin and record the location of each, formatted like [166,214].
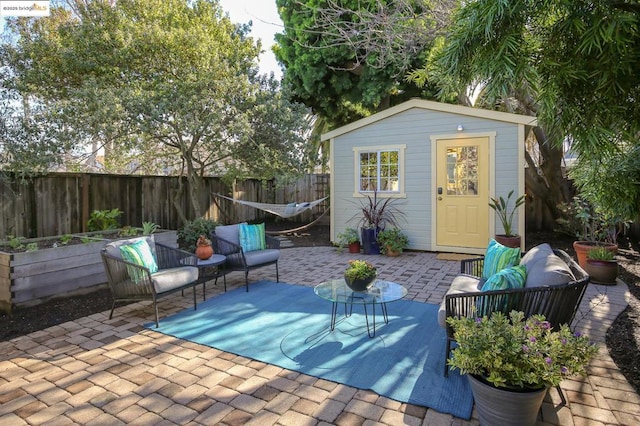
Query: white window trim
[401,148]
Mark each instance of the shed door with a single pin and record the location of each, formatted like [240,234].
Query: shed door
[462,192]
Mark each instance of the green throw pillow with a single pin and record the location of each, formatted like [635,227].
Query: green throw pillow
[140,254]
[513,277]
[499,257]
[252,237]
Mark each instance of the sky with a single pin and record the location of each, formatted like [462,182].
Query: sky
[266,23]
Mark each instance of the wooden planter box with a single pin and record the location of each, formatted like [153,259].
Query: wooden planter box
[31,278]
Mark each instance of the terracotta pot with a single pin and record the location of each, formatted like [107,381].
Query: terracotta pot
[504,407]
[354,247]
[204,252]
[513,241]
[583,247]
[602,271]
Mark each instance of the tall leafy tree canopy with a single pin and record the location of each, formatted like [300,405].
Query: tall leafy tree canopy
[348,59]
[574,65]
[162,84]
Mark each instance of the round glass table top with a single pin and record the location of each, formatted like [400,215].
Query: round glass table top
[380,292]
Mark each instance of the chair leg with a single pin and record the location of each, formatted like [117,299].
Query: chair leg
[446,358]
[246,279]
[155,307]
[113,307]
[195,304]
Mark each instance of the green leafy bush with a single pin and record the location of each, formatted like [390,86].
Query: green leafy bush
[188,235]
[103,220]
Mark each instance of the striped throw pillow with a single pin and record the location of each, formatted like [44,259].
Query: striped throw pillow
[499,257]
[140,254]
[513,277]
[252,237]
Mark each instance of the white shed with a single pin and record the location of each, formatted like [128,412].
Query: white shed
[444,161]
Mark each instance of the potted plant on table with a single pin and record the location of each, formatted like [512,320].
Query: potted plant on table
[203,248]
[505,214]
[602,266]
[375,214]
[360,275]
[511,362]
[351,239]
[392,242]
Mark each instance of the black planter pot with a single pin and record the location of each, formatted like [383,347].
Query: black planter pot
[370,241]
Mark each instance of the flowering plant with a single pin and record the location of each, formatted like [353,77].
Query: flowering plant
[512,352]
[359,269]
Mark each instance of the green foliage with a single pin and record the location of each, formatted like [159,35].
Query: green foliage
[32,247]
[128,231]
[188,235]
[348,236]
[359,269]
[103,220]
[15,242]
[168,86]
[501,207]
[66,239]
[517,353]
[600,253]
[392,239]
[149,228]
[590,223]
[347,60]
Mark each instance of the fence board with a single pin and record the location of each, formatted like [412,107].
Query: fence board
[60,203]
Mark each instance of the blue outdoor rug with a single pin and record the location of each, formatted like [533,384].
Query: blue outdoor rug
[288,326]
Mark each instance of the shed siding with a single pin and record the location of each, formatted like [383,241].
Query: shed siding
[414,128]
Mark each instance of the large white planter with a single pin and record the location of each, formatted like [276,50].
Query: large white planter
[31,278]
[505,408]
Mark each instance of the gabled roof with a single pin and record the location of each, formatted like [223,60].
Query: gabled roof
[433,106]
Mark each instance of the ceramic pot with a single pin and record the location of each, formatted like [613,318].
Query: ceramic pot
[369,237]
[505,407]
[204,252]
[602,271]
[583,247]
[513,241]
[360,284]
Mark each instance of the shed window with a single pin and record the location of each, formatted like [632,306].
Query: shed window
[379,170]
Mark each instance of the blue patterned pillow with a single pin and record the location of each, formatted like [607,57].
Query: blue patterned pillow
[252,237]
[499,257]
[513,277]
[140,254]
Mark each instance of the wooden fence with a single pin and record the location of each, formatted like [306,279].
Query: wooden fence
[60,203]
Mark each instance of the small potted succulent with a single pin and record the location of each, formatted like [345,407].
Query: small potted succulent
[392,241]
[360,275]
[511,362]
[602,266]
[203,248]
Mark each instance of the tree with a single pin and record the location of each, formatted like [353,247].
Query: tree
[347,59]
[573,64]
[172,84]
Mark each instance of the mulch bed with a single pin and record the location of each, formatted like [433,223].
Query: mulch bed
[623,338]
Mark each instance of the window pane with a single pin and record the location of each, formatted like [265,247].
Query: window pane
[462,170]
[379,171]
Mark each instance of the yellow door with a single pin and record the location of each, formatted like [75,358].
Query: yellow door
[462,192]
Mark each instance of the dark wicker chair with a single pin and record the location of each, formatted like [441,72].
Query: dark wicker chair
[239,260]
[558,303]
[176,271]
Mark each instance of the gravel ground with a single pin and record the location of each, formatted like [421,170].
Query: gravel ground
[623,338]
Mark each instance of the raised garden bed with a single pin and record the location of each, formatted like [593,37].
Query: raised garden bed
[33,277]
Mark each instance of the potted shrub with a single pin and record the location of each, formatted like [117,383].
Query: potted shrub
[375,214]
[505,214]
[360,275]
[351,239]
[592,227]
[511,362]
[392,241]
[602,266]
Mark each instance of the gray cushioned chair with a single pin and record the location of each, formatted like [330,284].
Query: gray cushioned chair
[225,240]
[176,271]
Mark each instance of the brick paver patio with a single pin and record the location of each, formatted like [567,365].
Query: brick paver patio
[96,371]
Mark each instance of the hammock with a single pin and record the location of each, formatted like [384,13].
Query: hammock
[282,210]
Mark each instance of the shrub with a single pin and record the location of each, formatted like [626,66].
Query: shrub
[188,235]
